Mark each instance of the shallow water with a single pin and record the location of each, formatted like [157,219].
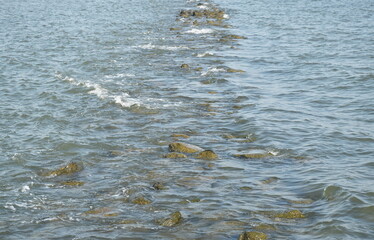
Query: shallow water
[99,83]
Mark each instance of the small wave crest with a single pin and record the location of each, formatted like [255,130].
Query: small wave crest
[150,46]
[124,100]
[200,31]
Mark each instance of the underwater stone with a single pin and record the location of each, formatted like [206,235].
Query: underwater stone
[253,236]
[159,186]
[207,155]
[184,148]
[141,201]
[174,219]
[290,214]
[175,155]
[185,66]
[73,183]
[231,70]
[180,135]
[252,155]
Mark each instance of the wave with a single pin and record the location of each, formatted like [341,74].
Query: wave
[124,99]
[150,46]
[200,31]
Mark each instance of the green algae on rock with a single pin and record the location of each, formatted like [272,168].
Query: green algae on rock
[252,155]
[159,186]
[175,155]
[141,201]
[174,219]
[264,227]
[184,148]
[207,155]
[66,170]
[232,70]
[269,180]
[290,214]
[185,66]
[72,183]
[179,135]
[253,236]
[212,13]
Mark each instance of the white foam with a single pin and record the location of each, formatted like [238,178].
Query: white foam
[150,46]
[120,75]
[202,7]
[226,16]
[213,70]
[200,31]
[204,54]
[25,189]
[124,100]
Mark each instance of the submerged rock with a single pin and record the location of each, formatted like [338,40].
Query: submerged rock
[269,180]
[301,201]
[175,155]
[141,201]
[185,66]
[180,135]
[184,148]
[66,170]
[158,186]
[174,219]
[264,227]
[253,155]
[232,70]
[207,155]
[290,214]
[253,236]
[211,13]
[72,183]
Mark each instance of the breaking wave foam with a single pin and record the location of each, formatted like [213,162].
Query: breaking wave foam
[124,100]
[200,31]
[161,47]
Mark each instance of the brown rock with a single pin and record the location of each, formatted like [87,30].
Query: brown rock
[207,155]
[184,148]
[253,236]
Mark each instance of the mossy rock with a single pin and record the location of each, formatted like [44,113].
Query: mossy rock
[231,70]
[159,186]
[246,188]
[207,155]
[253,236]
[175,155]
[72,183]
[65,170]
[264,227]
[173,220]
[96,211]
[301,201]
[127,221]
[185,66]
[290,214]
[141,201]
[180,135]
[233,36]
[269,180]
[252,155]
[184,148]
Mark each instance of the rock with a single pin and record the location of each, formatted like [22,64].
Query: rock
[185,66]
[207,155]
[141,201]
[180,135]
[252,155]
[103,210]
[211,13]
[127,221]
[264,227]
[175,155]
[175,29]
[66,170]
[253,236]
[246,188]
[73,183]
[269,180]
[232,36]
[290,214]
[174,219]
[184,148]
[231,70]
[159,186]
[301,201]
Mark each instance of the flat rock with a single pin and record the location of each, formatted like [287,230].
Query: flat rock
[184,148]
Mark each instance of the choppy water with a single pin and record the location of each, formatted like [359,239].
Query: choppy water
[99,83]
